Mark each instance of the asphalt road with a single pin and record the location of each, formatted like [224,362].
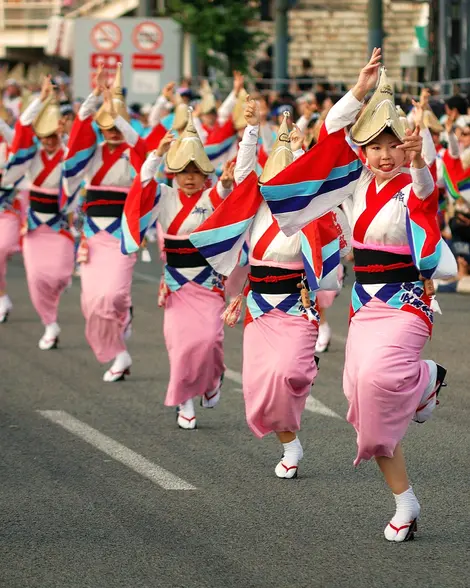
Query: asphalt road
[99,488]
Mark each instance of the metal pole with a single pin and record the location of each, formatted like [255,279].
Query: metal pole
[376,30]
[145,8]
[281,46]
[443,44]
[465,46]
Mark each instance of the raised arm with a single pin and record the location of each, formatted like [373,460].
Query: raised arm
[162,103]
[24,145]
[143,201]
[345,111]
[227,106]
[246,157]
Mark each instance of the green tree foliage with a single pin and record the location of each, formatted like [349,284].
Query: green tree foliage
[220,27]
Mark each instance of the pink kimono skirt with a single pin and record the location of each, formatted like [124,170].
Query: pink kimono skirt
[384,377]
[278,371]
[9,242]
[194,334]
[106,295]
[49,262]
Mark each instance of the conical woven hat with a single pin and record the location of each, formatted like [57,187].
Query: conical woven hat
[238,114]
[17,73]
[104,120]
[431,122]
[47,121]
[379,114]
[188,149]
[181,115]
[281,154]
[208,103]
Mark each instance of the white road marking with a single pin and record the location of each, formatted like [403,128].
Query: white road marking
[121,453]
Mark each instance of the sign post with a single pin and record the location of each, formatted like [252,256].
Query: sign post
[149,50]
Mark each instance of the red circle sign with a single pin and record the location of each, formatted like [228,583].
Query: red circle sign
[147,36]
[106,36]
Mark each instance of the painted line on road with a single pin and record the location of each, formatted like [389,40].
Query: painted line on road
[120,453]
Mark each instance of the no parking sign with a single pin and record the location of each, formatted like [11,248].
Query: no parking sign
[147,36]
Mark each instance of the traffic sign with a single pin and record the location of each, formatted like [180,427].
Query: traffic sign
[140,61]
[147,36]
[149,50]
[106,36]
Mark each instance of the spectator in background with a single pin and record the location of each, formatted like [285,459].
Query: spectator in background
[306,74]
[12,97]
[264,69]
[457,108]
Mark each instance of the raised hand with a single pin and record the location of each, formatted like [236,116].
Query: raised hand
[227,177]
[164,144]
[238,82]
[296,139]
[413,145]
[251,113]
[369,75]
[46,88]
[100,80]
[418,113]
[168,91]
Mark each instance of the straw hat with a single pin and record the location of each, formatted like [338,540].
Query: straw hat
[47,121]
[208,103]
[281,154]
[431,122]
[104,120]
[238,114]
[16,74]
[379,114]
[180,119]
[188,149]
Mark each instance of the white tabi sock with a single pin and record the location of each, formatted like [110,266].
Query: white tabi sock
[293,453]
[48,340]
[186,415]
[186,409]
[427,403]
[408,510]
[5,306]
[324,337]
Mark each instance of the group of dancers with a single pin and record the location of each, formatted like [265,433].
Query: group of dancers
[235,205]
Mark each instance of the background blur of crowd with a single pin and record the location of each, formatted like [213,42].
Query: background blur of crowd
[305,98]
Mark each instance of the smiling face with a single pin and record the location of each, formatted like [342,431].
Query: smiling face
[50,143]
[383,156]
[113,136]
[191,179]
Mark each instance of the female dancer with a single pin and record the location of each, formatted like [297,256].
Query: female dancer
[397,248]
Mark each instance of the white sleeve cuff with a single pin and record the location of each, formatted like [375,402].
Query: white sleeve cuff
[423,183]
[150,167]
[298,153]
[343,113]
[89,107]
[250,135]
[31,112]
[221,191]
[130,135]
